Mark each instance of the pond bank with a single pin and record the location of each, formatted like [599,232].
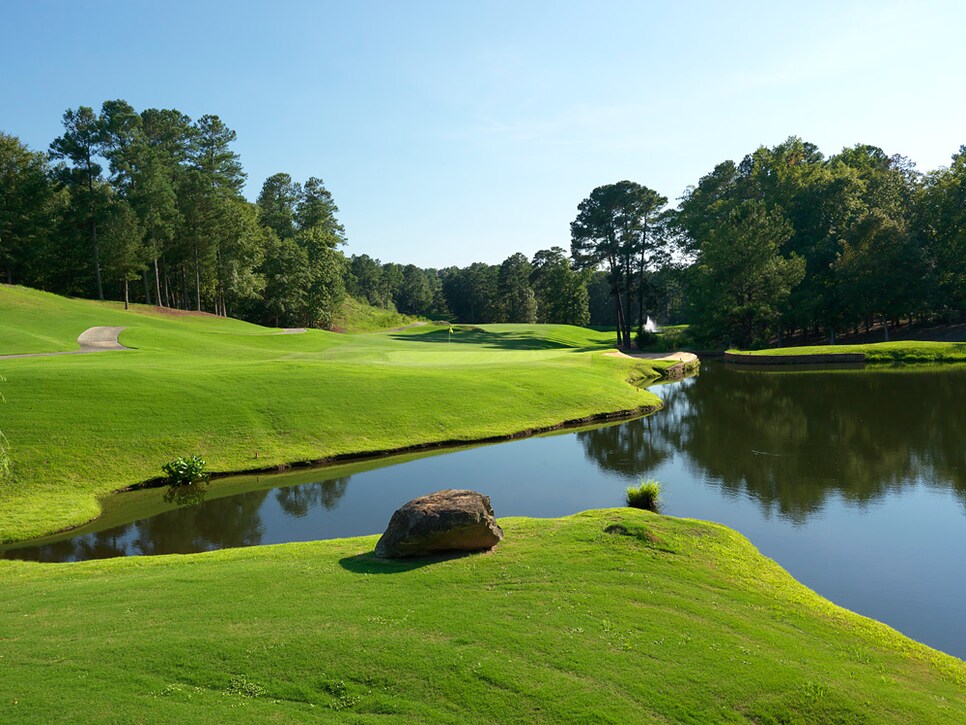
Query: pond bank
[662,619]
[906,351]
[800,359]
[589,420]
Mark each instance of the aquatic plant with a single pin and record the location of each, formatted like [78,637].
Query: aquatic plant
[644,496]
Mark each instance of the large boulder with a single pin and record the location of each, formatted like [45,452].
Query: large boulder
[451,520]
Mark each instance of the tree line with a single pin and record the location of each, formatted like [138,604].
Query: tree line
[790,241]
[148,207]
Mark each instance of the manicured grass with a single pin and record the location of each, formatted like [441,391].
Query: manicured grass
[608,616]
[661,620]
[243,397]
[909,351]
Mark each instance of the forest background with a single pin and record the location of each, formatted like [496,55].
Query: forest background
[147,206]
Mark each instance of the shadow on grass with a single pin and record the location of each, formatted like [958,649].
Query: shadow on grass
[369,563]
[496,340]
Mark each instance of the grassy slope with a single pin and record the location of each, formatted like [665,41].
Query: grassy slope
[680,621]
[912,351]
[83,425]
[358,316]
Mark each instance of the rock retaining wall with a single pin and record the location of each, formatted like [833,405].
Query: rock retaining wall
[837,357]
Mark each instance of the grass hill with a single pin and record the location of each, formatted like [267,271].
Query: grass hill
[359,316]
[607,616]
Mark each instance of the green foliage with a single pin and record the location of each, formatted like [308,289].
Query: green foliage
[741,281]
[858,235]
[560,291]
[517,301]
[29,210]
[185,471]
[942,223]
[644,339]
[472,292]
[617,227]
[646,495]
[303,270]
[669,339]
[358,316]
[874,237]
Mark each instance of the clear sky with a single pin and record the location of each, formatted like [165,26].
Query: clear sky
[456,131]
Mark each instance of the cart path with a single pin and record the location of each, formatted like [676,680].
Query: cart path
[93,339]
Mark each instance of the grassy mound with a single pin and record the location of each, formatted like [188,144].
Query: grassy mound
[359,316]
[906,351]
[244,397]
[607,616]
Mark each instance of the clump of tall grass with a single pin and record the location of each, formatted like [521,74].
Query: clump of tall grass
[646,495]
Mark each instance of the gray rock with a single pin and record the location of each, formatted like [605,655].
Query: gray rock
[450,520]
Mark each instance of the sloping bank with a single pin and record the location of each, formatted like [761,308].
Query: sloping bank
[606,616]
[875,353]
[405,409]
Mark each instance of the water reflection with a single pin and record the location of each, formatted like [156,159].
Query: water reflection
[187,495]
[297,501]
[196,524]
[792,440]
[789,441]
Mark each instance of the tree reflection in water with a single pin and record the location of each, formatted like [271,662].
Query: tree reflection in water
[792,439]
[198,524]
[299,500]
[187,495]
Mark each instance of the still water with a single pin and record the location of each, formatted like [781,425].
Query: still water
[854,481]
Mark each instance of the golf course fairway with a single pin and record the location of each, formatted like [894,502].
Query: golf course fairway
[614,615]
[245,397]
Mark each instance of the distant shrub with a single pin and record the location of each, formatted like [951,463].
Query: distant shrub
[184,471]
[644,339]
[644,496]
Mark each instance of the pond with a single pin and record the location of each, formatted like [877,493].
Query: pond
[854,481]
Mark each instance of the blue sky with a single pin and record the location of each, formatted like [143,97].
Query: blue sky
[453,132]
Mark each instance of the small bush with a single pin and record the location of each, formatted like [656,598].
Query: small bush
[644,496]
[184,471]
[644,339]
